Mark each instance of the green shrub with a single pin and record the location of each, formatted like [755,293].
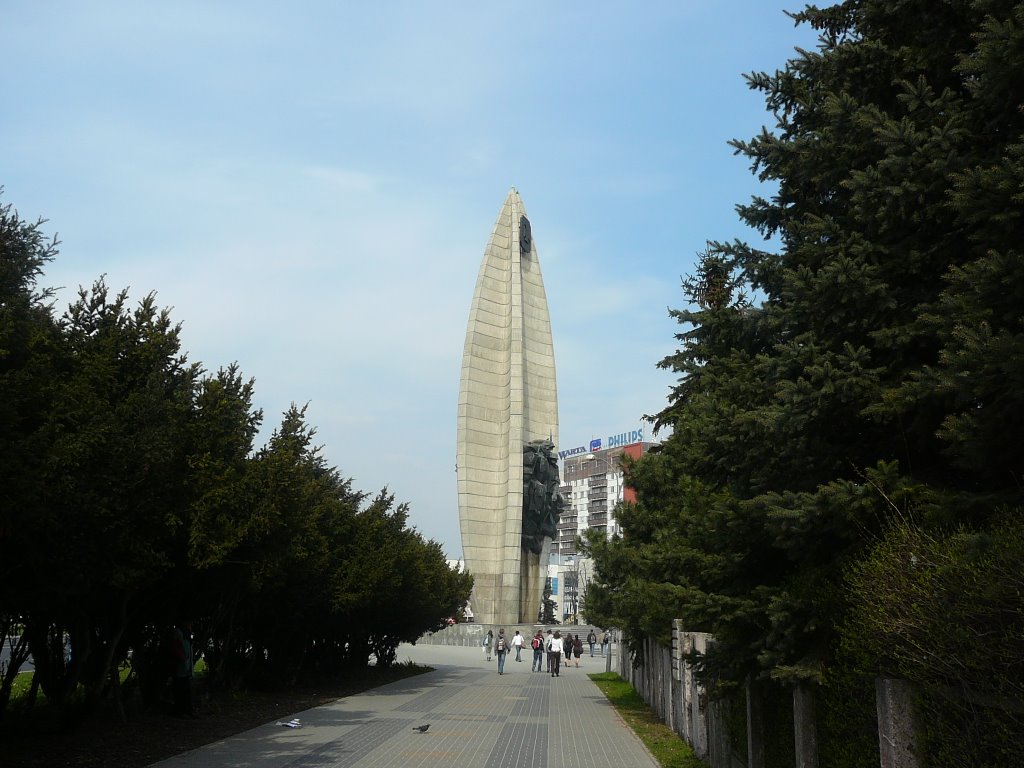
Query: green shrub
[945,610]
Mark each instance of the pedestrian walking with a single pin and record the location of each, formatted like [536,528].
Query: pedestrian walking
[591,641]
[577,649]
[605,642]
[556,653]
[567,649]
[517,643]
[538,651]
[547,648]
[487,642]
[501,650]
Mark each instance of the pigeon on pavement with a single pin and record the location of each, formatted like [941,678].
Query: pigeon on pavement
[422,728]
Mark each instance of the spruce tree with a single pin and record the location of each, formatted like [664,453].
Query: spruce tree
[876,370]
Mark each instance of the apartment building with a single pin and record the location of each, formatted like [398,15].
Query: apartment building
[592,485]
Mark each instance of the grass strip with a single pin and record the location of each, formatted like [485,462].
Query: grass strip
[668,749]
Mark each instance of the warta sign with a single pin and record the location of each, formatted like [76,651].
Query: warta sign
[613,441]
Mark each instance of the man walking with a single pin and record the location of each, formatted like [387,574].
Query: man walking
[500,649]
[591,641]
[556,653]
[517,643]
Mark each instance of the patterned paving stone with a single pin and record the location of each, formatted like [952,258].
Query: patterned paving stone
[478,719]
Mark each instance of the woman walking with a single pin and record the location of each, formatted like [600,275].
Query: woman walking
[487,642]
[577,649]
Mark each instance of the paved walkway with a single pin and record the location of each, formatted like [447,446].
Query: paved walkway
[477,719]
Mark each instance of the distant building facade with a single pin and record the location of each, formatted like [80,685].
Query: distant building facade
[592,485]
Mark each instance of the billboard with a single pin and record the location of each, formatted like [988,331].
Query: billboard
[599,444]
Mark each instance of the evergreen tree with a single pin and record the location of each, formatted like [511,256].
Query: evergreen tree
[879,373]
[29,346]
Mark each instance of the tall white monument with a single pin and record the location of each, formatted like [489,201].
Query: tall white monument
[507,398]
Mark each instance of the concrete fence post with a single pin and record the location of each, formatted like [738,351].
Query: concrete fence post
[700,702]
[719,748]
[897,732]
[675,678]
[755,724]
[666,686]
[805,732]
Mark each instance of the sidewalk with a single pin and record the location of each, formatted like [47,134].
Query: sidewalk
[477,719]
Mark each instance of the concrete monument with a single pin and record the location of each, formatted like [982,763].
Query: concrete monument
[507,405]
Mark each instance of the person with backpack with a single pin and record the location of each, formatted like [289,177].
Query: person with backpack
[591,641]
[500,649]
[567,649]
[538,651]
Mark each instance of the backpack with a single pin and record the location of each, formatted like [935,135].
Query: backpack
[536,643]
[501,644]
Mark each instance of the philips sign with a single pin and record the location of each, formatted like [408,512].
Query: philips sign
[626,438]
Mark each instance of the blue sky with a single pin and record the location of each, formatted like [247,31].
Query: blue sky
[310,188]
